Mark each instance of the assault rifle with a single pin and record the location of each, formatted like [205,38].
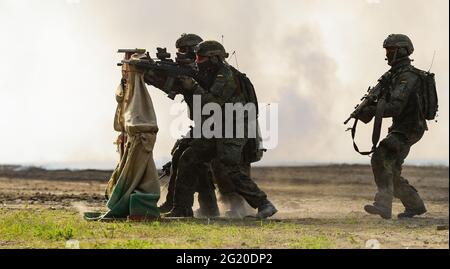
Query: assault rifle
[164,64]
[371,97]
[374,96]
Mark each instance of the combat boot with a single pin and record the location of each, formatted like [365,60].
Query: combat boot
[411,201]
[382,206]
[179,212]
[165,207]
[266,210]
[409,213]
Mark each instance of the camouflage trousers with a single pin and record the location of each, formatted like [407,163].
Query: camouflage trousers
[387,161]
[229,154]
[233,202]
[204,185]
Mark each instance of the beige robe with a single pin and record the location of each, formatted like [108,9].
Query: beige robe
[136,172]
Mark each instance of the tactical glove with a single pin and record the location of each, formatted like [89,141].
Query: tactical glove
[187,83]
[154,78]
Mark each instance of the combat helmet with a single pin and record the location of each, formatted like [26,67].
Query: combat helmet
[188,40]
[399,41]
[211,48]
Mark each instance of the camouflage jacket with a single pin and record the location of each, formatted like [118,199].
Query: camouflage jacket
[402,98]
[223,90]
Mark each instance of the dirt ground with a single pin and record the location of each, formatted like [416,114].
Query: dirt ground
[320,197]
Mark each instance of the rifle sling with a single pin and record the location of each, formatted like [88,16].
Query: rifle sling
[378,122]
[354,143]
[376,129]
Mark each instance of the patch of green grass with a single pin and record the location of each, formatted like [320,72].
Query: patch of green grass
[32,228]
[45,228]
[27,225]
[312,242]
[352,239]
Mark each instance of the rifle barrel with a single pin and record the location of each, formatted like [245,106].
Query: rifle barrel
[347,120]
[172,69]
[131,51]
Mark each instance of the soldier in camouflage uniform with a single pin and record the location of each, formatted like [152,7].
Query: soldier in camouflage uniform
[408,127]
[205,188]
[216,85]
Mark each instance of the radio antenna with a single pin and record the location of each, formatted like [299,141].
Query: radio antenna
[432,61]
[235,59]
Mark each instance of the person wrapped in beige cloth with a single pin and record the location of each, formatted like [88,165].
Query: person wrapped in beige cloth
[133,190]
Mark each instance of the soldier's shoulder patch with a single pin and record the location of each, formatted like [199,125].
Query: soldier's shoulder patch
[223,75]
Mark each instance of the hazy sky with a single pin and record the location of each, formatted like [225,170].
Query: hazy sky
[314,58]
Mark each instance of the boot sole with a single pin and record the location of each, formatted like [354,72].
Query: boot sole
[164,210]
[374,211]
[412,215]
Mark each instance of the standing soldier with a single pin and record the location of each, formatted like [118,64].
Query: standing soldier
[404,92]
[218,86]
[206,192]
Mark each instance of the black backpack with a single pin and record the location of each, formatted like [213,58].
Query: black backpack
[253,150]
[246,87]
[428,99]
